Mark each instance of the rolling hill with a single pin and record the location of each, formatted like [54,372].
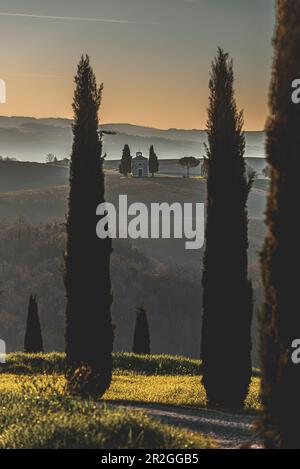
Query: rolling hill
[31,139]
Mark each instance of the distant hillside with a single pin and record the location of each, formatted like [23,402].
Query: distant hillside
[27,138]
[16,175]
[155,272]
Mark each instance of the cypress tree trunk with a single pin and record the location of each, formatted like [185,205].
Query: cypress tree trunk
[33,342]
[141,340]
[280,319]
[89,331]
[227,293]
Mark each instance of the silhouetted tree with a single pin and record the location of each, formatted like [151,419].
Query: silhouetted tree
[33,342]
[141,339]
[189,162]
[125,165]
[227,293]
[280,318]
[153,161]
[89,331]
[50,158]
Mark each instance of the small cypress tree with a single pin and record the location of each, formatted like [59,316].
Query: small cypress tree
[280,318]
[141,339]
[153,161]
[227,293]
[125,165]
[89,330]
[33,342]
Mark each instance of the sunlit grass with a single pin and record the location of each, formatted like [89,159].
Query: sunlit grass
[35,412]
[123,363]
[167,390]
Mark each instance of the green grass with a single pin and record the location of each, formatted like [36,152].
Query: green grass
[54,362]
[36,412]
[172,390]
[123,363]
[183,391]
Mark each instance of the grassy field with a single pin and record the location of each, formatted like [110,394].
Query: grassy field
[54,362]
[173,390]
[159,379]
[36,412]
[123,363]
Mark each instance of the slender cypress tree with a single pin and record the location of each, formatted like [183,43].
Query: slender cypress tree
[227,292]
[141,339]
[89,331]
[33,342]
[153,161]
[280,318]
[125,165]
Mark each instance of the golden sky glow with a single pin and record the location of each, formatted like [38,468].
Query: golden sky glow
[153,57]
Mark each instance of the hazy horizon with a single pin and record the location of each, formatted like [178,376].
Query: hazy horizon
[134,124]
[31,139]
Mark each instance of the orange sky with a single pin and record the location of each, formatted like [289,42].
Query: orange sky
[52,97]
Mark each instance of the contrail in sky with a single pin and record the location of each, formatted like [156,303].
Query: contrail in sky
[74,18]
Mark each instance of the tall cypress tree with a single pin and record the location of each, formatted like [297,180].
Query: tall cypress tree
[89,331]
[33,342]
[280,319]
[153,161]
[141,339]
[125,165]
[227,292]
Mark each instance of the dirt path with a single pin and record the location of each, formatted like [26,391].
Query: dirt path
[227,430]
